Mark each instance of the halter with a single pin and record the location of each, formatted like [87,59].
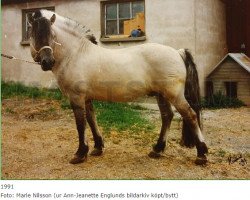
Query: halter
[44,47]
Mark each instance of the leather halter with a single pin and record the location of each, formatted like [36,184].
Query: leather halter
[42,48]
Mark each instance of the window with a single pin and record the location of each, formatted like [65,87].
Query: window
[26,26]
[231,89]
[209,89]
[123,19]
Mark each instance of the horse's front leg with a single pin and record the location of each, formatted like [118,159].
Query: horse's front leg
[91,118]
[80,118]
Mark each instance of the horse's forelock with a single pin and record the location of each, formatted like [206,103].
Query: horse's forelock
[41,31]
[37,14]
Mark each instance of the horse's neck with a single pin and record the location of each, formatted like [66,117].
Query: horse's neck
[70,43]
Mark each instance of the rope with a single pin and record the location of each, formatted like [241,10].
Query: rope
[14,58]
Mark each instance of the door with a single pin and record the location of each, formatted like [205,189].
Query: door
[238,26]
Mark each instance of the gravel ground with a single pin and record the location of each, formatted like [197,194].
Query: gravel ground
[39,139]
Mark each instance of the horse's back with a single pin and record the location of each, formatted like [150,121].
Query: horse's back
[162,62]
[157,56]
[162,67]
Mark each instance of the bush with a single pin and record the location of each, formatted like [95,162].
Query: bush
[219,100]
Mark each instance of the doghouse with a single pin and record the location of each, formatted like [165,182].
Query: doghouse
[231,77]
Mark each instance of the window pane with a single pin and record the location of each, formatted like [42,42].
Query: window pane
[137,7]
[111,27]
[121,26]
[231,89]
[28,26]
[111,10]
[27,36]
[124,10]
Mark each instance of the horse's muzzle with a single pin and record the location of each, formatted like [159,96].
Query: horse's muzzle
[47,64]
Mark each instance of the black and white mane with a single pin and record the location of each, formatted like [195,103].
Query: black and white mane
[79,29]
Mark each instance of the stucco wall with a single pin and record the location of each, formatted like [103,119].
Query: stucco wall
[197,25]
[210,36]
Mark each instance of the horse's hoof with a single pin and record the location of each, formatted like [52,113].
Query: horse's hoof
[77,160]
[154,154]
[96,152]
[201,160]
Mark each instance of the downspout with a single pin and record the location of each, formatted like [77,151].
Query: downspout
[195,29]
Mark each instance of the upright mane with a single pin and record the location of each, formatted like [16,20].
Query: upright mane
[69,24]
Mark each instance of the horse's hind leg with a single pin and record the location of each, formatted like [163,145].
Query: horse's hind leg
[191,119]
[166,116]
[91,118]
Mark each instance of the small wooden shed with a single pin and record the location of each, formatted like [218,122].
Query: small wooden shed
[231,77]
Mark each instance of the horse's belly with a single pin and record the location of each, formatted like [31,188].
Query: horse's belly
[117,92]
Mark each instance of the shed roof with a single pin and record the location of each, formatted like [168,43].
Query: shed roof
[239,58]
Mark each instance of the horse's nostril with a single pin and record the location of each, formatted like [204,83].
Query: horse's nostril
[48,62]
[44,63]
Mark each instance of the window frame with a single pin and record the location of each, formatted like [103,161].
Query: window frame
[25,12]
[104,36]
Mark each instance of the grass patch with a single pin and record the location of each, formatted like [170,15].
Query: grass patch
[111,116]
[121,116]
[11,89]
[221,153]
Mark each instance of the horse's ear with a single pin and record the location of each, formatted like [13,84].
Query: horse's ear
[53,19]
[30,19]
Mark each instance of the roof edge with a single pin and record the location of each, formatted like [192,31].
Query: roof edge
[231,55]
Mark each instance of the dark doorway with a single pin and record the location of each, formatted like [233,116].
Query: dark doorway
[209,89]
[231,89]
[238,26]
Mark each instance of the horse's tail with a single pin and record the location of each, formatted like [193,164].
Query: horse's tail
[192,95]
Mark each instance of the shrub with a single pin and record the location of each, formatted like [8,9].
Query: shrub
[219,100]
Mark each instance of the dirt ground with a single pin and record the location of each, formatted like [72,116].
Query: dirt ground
[39,139]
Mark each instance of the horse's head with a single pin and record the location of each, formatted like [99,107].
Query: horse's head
[42,40]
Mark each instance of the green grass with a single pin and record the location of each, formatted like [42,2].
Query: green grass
[121,116]
[11,89]
[111,116]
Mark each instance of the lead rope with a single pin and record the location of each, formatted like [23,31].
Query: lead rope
[14,58]
[37,53]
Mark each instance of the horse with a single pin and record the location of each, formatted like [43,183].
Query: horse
[85,72]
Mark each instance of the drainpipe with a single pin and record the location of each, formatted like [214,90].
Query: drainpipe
[195,28]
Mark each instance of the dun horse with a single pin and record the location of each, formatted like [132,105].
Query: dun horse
[86,72]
